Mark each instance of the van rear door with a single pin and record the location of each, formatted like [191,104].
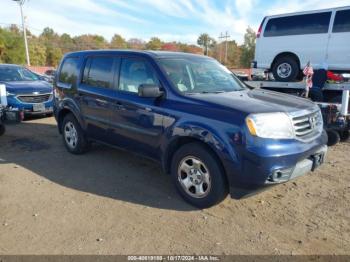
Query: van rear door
[339,43]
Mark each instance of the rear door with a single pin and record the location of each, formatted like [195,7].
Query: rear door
[305,35]
[95,94]
[339,44]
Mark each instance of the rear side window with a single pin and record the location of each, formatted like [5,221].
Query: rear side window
[98,71]
[69,71]
[342,21]
[298,25]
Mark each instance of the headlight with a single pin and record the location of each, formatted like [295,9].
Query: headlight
[9,94]
[270,125]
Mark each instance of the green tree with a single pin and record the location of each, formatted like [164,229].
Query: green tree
[90,42]
[233,53]
[53,56]
[154,44]
[248,48]
[136,43]
[67,43]
[37,53]
[118,42]
[48,37]
[11,46]
[207,42]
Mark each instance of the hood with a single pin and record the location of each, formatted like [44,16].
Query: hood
[27,87]
[258,101]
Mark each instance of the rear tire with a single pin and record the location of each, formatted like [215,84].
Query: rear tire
[285,69]
[2,129]
[333,137]
[73,135]
[198,176]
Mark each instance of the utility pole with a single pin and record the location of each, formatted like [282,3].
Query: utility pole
[220,47]
[21,3]
[226,36]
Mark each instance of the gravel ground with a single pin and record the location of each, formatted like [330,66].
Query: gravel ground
[112,202]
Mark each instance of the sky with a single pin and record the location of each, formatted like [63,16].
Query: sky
[170,20]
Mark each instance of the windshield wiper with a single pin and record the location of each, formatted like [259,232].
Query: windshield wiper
[212,92]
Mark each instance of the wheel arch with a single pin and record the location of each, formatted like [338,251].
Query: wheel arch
[216,145]
[180,141]
[65,110]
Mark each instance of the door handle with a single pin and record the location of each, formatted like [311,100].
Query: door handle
[119,106]
[102,101]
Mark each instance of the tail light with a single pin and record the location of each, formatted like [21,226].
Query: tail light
[260,28]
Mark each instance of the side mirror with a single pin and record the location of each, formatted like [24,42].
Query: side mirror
[149,90]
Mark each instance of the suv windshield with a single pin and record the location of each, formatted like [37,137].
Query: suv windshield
[200,75]
[16,74]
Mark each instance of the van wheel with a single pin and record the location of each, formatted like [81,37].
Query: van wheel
[285,69]
[198,176]
[73,135]
[2,129]
[333,137]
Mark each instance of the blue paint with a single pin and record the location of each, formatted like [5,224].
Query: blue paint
[150,126]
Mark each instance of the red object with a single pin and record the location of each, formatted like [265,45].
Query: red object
[332,76]
[308,72]
[260,28]
[39,69]
[170,47]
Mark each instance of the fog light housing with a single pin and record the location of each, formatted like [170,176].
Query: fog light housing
[280,175]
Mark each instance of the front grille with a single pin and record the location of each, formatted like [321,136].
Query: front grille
[34,99]
[307,125]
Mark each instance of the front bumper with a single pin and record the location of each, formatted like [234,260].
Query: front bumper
[28,108]
[274,162]
[301,168]
[48,110]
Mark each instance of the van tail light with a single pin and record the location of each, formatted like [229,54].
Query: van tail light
[260,28]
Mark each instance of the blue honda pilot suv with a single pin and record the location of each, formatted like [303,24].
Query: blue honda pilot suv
[190,114]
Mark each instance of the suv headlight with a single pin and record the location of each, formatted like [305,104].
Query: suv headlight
[270,125]
[9,94]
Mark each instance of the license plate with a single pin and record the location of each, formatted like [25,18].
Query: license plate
[38,107]
[317,160]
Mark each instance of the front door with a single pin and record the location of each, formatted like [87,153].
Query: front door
[137,122]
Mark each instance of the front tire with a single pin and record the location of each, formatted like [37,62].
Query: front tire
[198,176]
[73,135]
[285,69]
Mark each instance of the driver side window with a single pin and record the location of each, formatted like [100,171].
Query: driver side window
[135,72]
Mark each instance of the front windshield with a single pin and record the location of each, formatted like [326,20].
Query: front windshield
[13,73]
[200,75]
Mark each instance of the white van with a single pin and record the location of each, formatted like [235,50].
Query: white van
[285,43]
